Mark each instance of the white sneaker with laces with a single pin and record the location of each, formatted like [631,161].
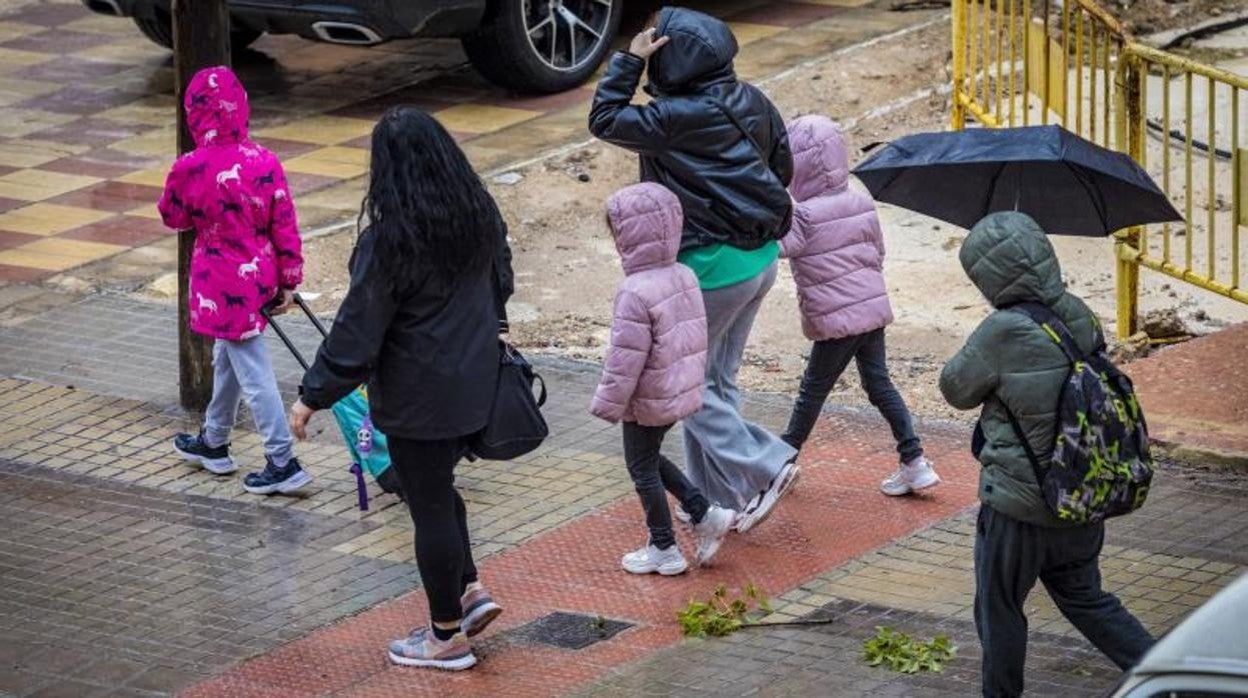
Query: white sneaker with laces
[650,559]
[711,530]
[911,476]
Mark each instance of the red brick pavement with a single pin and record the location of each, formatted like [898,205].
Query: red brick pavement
[835,513]
[1195,394]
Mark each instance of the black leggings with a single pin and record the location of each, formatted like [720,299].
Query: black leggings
[426,471]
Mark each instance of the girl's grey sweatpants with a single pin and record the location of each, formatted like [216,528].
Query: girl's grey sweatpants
[243,371]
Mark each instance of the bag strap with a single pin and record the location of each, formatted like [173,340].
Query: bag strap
[758,149]
[1031,454]
[1053,326]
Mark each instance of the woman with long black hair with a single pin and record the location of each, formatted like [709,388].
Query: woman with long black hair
[430,276]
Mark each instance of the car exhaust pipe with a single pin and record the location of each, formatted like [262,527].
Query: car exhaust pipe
[341,33]
[105,7]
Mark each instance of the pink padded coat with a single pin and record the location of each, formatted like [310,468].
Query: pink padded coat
[656,364]
[835,248]
[234,193]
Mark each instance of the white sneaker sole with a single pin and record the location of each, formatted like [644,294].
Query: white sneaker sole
[927,482]
[216,466]
[666,571]
[466,662]
[286,486]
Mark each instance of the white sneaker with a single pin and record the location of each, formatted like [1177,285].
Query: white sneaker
[682,516]
[711,531]
[767,500]
[650,559]
[910,477]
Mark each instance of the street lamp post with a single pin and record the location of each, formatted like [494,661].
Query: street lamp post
[201,38]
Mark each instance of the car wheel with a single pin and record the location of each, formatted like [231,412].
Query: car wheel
[543,45]
[159,29]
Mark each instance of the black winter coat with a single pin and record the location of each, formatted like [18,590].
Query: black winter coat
[686,142]
[428,349]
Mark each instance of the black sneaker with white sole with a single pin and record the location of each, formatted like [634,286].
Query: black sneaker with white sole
[214,459]
[275,480]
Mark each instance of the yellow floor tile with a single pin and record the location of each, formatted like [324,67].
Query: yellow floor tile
[162,142]
[154,177]
[101,24]
[12,60]
[56,254]
[153,110]
[15,123]
[747,32]
[334,161]
[482,118]
[322,130]
[10,30]
[37,185]
[30,153]
[14,90]
[146,211]
[48,219]
[125,51]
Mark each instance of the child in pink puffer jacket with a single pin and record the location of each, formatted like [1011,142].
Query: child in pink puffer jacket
[836,252]
[247,255]
[654,370]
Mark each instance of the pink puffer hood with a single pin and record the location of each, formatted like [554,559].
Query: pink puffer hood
[836,248]
[656,363]
[646,220]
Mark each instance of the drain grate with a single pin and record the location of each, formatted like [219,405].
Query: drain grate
[572,631]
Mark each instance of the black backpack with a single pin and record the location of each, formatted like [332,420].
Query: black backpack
[1101,465]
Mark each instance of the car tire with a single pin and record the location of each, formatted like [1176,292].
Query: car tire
[159,30]
[512,48]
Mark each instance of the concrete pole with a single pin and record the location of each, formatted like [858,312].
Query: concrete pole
[201,38]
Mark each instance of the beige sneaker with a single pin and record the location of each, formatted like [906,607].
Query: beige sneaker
[913,476]
[422,649]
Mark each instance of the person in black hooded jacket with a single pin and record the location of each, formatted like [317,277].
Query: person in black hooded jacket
[430,277]
[721,146]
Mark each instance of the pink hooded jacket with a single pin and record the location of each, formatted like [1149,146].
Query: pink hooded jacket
[656,363]
[234,193]
[835,248]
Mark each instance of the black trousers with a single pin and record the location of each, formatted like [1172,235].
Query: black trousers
[1009,557]
[828,360]
[653,475]
[426,471]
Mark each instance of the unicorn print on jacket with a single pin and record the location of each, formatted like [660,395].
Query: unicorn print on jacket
[233,192]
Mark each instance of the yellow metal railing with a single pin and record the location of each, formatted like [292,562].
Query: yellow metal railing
[1021,62]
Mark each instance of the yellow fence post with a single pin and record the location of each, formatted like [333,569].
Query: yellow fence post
[958,117]
[1130,137]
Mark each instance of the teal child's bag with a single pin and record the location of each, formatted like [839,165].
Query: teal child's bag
[365,443]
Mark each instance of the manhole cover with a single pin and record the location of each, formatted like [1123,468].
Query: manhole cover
[571,631]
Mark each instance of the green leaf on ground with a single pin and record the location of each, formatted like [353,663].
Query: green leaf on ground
[900,652]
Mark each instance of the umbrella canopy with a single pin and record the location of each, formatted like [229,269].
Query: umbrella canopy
[1069,185]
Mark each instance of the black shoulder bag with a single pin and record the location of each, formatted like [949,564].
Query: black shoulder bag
[516,425]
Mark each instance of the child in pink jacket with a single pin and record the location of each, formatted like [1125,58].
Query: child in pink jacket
[247,255]
[654,370]
[836,252]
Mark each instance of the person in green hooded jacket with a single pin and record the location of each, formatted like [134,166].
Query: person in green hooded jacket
[1009,362]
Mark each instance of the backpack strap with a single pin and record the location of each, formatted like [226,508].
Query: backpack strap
[1053,326]
[1036,470]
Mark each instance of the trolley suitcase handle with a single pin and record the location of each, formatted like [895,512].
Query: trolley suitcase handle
[266,311]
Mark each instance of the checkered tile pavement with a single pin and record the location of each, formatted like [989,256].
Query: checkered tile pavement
[87,127]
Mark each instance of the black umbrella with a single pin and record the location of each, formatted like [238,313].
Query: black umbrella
[1071,186]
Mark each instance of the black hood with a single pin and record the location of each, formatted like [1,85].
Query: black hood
[699,52]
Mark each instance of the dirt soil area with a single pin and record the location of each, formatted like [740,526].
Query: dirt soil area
[567,267]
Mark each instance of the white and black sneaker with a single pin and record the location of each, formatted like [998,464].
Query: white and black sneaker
[275,480]
[214,459]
